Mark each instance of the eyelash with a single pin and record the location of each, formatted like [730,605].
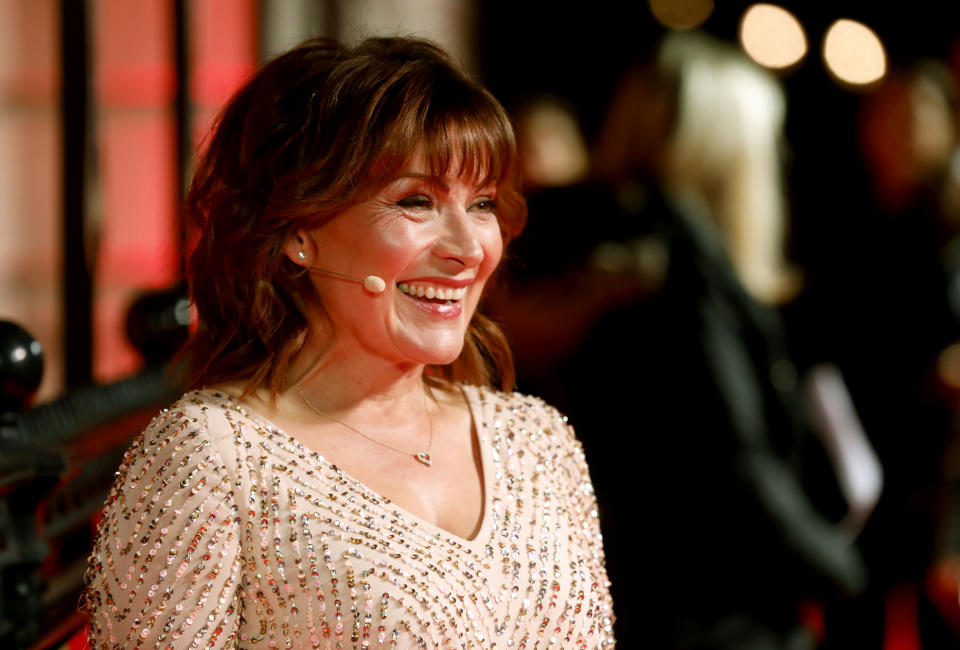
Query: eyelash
[418,201]
[423,203]
[487,205]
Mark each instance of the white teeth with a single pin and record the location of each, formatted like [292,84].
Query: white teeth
[431,292]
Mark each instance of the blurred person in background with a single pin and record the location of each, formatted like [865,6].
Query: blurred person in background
[732,483]
[891,287]
[549,300]
[553,151]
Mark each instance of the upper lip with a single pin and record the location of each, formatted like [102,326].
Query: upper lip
[453,283]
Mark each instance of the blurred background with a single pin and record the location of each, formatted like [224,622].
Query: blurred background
[103,102]
[102,106]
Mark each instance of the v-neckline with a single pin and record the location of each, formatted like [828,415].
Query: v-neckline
[475,405]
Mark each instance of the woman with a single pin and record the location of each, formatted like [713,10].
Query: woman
[348,472]
[753,496]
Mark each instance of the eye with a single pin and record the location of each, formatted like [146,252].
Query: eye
[485,205]
[415,202]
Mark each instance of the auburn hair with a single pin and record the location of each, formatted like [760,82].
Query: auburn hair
[312,132]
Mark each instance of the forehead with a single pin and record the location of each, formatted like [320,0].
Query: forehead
[472,169]
[431,168]
[476,145]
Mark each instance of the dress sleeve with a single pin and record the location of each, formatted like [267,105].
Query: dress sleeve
[584,518]
[165,567]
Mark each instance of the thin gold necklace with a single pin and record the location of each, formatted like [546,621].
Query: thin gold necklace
[420,456]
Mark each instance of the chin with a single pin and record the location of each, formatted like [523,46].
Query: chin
[437,357]
[431,348]
[444,360]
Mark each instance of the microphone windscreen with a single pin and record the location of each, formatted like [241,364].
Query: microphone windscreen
[374,284]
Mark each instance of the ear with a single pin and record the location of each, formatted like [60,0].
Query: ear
[300,247]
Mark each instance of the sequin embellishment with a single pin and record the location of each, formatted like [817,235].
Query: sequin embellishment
[222,531]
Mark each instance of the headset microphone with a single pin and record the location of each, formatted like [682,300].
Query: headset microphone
[372,283]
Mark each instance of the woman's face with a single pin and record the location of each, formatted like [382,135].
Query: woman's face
[435,240]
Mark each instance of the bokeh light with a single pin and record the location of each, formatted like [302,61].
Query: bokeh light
[854,53]
[948,366]
[772,36]
[681,14]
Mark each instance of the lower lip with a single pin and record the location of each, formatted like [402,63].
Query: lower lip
[440,309]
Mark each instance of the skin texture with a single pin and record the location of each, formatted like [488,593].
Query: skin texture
[417,229]
[364,359]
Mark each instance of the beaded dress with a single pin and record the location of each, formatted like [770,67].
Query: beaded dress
[224,531]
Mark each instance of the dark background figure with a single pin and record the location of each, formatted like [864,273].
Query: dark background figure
[725,516]
[881,301]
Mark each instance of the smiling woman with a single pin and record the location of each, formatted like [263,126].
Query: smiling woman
[425,234]
[350,468]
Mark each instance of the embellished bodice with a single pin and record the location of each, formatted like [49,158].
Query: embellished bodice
[224,531]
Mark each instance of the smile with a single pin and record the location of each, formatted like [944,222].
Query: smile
[432,292]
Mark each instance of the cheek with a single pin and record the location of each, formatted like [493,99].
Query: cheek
[492,249]
[392,252]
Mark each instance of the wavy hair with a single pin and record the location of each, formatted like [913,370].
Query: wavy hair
[707,123]
[312,132]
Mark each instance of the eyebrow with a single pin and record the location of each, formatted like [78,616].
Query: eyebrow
[437,180]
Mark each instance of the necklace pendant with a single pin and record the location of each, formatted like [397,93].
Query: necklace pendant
[424,457]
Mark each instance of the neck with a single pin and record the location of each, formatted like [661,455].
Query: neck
[340,381]
[394,407]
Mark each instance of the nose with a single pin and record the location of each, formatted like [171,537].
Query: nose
[459,243]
